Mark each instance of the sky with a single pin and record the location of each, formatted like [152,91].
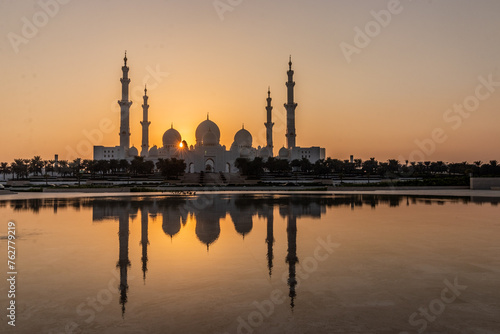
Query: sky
[407,80]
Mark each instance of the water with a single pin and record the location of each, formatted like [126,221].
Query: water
[261,263]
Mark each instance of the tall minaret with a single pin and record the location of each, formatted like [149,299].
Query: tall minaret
[144,241]
[290,109]
[123,260]
[270,239]
[291,257]
[145,125]
[269,124]
[125,109]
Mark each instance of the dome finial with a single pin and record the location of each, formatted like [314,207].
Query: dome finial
[243,125]
[172,125]
[208,114]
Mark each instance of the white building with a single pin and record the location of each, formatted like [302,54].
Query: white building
[207,154]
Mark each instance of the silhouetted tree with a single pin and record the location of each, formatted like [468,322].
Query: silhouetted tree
[170,168]
[35,165]
[253,168]
[4,168]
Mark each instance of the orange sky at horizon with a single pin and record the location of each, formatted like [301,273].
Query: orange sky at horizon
[63,83]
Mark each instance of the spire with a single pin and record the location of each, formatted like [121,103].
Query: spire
[172,125]
[290,62]
[207,115]
[269,124]
[242,125]
[290,109]
[125,104]
[145,125]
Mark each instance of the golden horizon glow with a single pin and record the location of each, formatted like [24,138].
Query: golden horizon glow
[386,103]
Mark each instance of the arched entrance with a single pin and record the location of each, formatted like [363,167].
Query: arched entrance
[228,167]
[209,166]
[191,167]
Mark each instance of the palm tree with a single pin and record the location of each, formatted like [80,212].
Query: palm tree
[4,167]
[62,167]
[20,167]
[35,165]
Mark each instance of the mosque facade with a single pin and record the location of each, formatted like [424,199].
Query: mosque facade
[207,154]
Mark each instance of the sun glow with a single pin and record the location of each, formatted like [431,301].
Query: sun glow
[181,145]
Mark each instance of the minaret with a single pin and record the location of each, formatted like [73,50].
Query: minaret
[145,125]
[123,260]
[290,109]
[270,240]
[125,109]
[144,241]
[291,257]
[269,124]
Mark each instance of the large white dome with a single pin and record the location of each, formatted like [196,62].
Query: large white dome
[171,138]
[243,138]
[210,138]
[203,128]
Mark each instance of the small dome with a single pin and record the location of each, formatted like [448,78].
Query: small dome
[243,138]
[245,152]
[283,152]
[264,152]
[171,138]
[133,152]
[153,151]
[203,128]
[210,138]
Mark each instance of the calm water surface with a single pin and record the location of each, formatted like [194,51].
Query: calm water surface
[228,263]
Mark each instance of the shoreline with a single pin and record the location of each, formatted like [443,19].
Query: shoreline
[408,191]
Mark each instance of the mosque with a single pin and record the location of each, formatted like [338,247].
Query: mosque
[207,154]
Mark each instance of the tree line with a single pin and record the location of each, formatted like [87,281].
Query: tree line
[391,168]
[173,168]
[36,166]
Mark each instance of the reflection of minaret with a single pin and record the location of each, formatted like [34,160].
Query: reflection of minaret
[290,109]
[145,125]
[270,240]
[123,261]
[125,109]
[269,124]
[144,241]
[291,257]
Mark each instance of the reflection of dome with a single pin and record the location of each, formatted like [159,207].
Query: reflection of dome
[243,138]
[207,231]
[203,128]
[171,225]
[242,222]
[210,138]
[133,152]
[283,152]
[171,138]
[153,151]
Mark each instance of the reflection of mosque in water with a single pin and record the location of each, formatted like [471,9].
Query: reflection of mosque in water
[208,210]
